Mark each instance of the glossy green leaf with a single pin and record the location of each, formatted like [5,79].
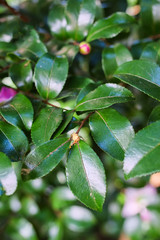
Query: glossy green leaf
[80,15]
[45,157]
[45,124]
[152,52]
[141,74]
[84,91]
[104,96]
[155,114]
[143,153]
[86,176]
[8,177]
[78,219]
[18,111]
[112,57]
[21,75]
[61,197]
[111,131]
[110,27]
[13,141]
[67,117]
[57,22]
[50,75]
[32,47]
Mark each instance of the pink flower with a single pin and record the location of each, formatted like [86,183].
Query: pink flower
[6,94]
[137,201]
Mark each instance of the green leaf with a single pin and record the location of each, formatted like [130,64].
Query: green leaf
[57,22]
[55,230]
[150,19]
[80,15]
[110,27]
[67,117]
[78,219]
[21,75]
[152,52]
[141,74]
[45,124]
[13,141]
[46,157]
[111,131]
[70,51]
[32,47]
[50,75]
[8,177]
[112,57]
[84,91]
[61,197]
[143,153]
[86,176]
[7,47]
[155,114]
[104,96]
[18,111]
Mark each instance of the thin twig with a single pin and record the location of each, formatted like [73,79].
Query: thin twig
[83,122]
[14,11]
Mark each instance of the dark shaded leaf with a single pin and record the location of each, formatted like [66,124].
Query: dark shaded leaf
[18,111]
[13,141]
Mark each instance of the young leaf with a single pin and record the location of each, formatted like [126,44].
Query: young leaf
[18,111]
[50,75]
[21,75]
[8,177]
[104,96]
[143,153]
[141,74]
[13,141]
[80,15]
[46,124]
[46,157]
[112,57]
[110,27]
[111,131]
[86,176]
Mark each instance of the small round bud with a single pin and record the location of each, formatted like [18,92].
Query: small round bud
[84,48]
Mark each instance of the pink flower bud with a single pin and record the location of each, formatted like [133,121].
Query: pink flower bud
[6,94]
[84,48]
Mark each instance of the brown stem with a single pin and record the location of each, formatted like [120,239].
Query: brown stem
[14,11]
[5,68]
[38,98]
[83,122]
